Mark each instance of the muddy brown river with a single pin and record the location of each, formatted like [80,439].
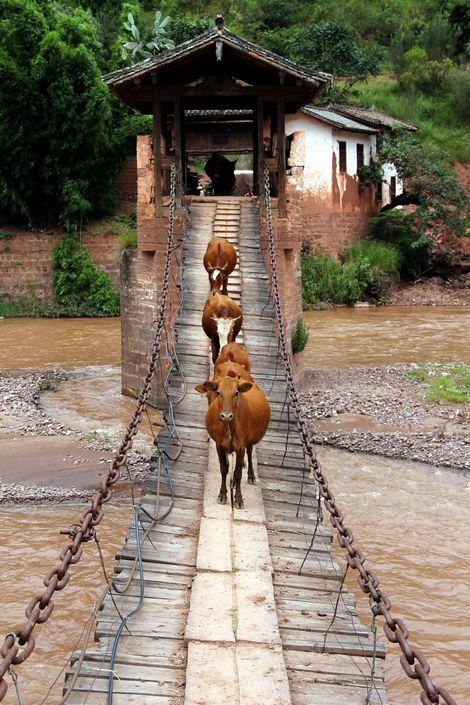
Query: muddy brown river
[411,520]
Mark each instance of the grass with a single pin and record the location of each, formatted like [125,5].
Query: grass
[35,308]
[444,383]
[382,256]
[436,115]
[47,384]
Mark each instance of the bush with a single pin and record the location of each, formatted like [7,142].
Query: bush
[326,279]
[300,337]
[81,288]
[396,229]
[382,257]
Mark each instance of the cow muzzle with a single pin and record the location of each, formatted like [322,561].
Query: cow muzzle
[226,416]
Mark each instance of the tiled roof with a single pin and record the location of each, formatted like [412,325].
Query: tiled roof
[211,36]
[370,116]
[339,121]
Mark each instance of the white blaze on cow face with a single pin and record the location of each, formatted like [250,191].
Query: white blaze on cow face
[224,328]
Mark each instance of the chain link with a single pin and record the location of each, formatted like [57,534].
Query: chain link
[19,645]
[413,662]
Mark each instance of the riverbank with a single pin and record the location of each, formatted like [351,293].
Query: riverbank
[433,292]
[385,411]
[377,410]
[43,459]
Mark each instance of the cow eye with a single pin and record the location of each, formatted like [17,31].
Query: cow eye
[236,394]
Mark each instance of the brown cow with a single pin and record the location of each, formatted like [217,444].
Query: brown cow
[225,369]
[219,260]
[236,420]
[235,353]
[221,320]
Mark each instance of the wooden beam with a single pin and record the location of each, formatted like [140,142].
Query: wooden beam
[178,155]
[157,146]
[210,91]
[260,149]
[281,146]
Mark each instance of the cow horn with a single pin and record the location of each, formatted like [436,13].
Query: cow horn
[224,267]
[210,267]
[214,318]
[236,319]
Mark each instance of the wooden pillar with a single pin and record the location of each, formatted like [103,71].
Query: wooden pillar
[281,146]
[157,146]
[178,155]
[260,149]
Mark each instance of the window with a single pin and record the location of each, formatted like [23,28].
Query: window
[393,187]
[342,157]
[359,155]
[378,192]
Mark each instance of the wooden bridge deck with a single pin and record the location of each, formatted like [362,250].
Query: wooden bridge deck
[178,648]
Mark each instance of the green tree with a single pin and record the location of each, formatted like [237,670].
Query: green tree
[442,205]
[184,26]
[331,47]
[57,127]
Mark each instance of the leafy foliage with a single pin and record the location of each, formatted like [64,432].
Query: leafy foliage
[57,137]
[331,47]
[396,229]
[184,27]
[141,48]
[300,337]
[79,286]
[326,279]
[381,257]
[443,206]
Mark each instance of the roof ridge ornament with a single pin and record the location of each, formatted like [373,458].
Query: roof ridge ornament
[219,22]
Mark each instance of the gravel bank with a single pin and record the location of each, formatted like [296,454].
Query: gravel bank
[383,410]
[21,416]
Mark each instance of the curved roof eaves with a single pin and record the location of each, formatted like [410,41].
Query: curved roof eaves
[186,48]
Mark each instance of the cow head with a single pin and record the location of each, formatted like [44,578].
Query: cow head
[225,328]
[227,391]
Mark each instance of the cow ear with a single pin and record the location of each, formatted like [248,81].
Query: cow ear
[245,387]
[206,387]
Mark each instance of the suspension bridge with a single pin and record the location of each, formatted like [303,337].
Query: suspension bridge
[209,603]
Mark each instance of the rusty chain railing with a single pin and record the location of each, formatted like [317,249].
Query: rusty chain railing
[19,645]
[412,661]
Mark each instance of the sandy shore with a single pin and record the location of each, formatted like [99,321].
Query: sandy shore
[384,410]
[43,459]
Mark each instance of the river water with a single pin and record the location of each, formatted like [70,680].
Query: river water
[411,520]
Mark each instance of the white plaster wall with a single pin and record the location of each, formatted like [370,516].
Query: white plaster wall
[389,171]
[352,139]
[311,149]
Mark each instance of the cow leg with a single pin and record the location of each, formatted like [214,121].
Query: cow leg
[224,286]
[237,478]
[222,498]
[215,345]
[251,473]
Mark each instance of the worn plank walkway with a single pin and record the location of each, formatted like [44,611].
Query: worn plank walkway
[236,608]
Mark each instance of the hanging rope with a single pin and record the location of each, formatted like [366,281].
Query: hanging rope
[412,661]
